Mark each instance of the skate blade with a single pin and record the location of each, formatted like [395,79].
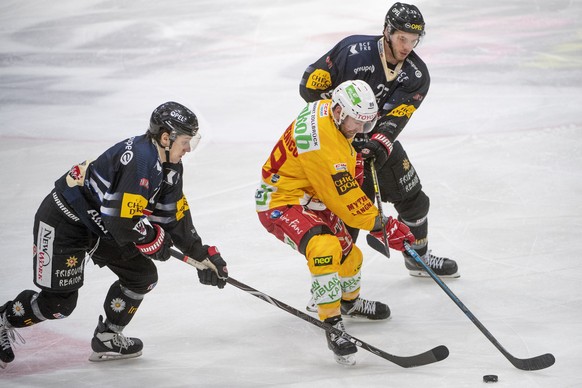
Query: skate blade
[423,274]
[347,360]
[105,356]
[365,319]
[3,364]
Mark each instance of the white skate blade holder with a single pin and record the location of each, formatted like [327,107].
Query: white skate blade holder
[348,360]
[111,356]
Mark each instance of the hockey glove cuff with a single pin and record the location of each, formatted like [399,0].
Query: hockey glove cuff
[379,148]
[159,247]
[397,232]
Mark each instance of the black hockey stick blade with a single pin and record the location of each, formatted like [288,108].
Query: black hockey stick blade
[376,244]
[535,363]
[436,354]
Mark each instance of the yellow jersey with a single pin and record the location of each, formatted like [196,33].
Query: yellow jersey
[314,163]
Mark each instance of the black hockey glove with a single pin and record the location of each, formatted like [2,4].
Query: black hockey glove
[159,247]
[378,148]
[216,273]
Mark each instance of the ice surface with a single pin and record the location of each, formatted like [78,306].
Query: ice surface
[497,144]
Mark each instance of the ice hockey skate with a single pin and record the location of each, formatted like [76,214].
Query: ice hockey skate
[108,345]
[442,266]
[311,305]
[365,309]
[342,349]
[7,336]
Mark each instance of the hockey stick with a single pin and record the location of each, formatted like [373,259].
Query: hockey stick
[535,363]
[379,206]
[436,354]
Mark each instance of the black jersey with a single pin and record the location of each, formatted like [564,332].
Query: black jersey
[120,193]
[398,92]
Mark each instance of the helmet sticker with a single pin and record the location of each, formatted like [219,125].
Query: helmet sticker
[354,97]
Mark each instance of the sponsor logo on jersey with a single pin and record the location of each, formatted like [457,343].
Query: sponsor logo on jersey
[132,205]
[72,261]
[402,110]
[305,132]
[370,68]
[275,214]
[344,182]
[341,167]
[72,275]
[44,254]
[128,154]
[356,48]
[96,217]
[409,180]
[181,208]
[360,205]
[322,261]
[293,224]
[144,182]
[324,110]
[319,80]
[326,288]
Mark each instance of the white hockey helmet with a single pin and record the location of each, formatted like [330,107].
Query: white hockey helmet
[356,100]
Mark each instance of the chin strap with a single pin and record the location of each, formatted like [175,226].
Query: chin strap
[167,152]
[390,74]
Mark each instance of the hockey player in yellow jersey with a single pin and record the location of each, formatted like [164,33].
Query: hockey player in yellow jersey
[310,190]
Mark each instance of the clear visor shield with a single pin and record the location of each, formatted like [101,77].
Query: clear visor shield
[369,125]
[405,39]
[194,141]
[368,120]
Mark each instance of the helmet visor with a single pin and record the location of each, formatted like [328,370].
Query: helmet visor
[369,125]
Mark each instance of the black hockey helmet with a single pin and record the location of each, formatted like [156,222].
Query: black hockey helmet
[173,118]
[404,17]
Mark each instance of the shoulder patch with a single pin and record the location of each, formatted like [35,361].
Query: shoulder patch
[319,80]
[324,109]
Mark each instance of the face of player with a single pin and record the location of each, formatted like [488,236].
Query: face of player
[181,146]
[351,127]
[403,43]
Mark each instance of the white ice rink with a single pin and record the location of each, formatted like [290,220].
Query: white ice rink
[497,144]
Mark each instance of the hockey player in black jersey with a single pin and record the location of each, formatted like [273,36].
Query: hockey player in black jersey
[123,210]
[400,80]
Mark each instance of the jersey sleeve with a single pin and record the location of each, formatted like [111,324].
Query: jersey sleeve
[322,76]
